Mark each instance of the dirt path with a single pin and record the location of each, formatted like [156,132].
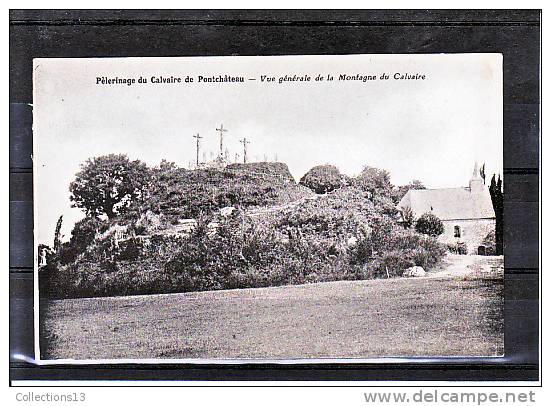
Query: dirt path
[280,207]
[461,266]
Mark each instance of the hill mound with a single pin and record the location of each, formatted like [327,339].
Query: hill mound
[174,238]
[272,169]
[182,193]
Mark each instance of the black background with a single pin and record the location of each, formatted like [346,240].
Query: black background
[102,33]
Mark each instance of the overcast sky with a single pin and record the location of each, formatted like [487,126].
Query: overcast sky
[432,130]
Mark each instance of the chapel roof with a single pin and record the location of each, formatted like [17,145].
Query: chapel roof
[450,204]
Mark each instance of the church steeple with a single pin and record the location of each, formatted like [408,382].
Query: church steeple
[476,184]
[475,170]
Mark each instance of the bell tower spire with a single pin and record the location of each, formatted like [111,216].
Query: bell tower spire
[476,184]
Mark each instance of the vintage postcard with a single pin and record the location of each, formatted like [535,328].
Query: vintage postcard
[268,208]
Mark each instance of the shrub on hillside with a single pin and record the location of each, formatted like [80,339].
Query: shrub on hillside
[131,249]
[390,249]
[322,179]
[489,243]
[374,181]
[219,260]
[429,224]
[390,264]
[350,233]
[433,253]
[376,242]
[239,254]
[385,205]
[82,236]
[339,215]
[408,217]
[457,248]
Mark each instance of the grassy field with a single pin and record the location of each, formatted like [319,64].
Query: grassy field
[448,314]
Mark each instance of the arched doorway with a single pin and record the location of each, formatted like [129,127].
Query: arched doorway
[481,250]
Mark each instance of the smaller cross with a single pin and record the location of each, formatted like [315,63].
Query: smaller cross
[198,137]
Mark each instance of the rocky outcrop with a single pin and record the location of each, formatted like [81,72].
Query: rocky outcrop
[414,272]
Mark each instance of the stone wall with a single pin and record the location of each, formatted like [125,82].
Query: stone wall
[472,232]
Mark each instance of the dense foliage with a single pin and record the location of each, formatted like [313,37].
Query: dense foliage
[429,224]
[408,218]
[400,191]
[300,237]
[83,235]
[322,179]
[182,193]
[459,248]
[271,169]
[108,184]
[374,181]
[489,243]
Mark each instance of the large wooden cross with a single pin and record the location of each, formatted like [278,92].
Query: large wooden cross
[222,131]
[244,141]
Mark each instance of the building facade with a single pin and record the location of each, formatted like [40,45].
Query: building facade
[466,212]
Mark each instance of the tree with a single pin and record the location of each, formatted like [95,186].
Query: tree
[57,235]
[166,166]
[374,181]
[108,184]
[407,217]
[51,255]
[83,234]
[496,193]
[429,224]
[482,172]
[416,185]
[322,179]
[399,192]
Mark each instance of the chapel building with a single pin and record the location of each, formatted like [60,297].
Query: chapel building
[466,212]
